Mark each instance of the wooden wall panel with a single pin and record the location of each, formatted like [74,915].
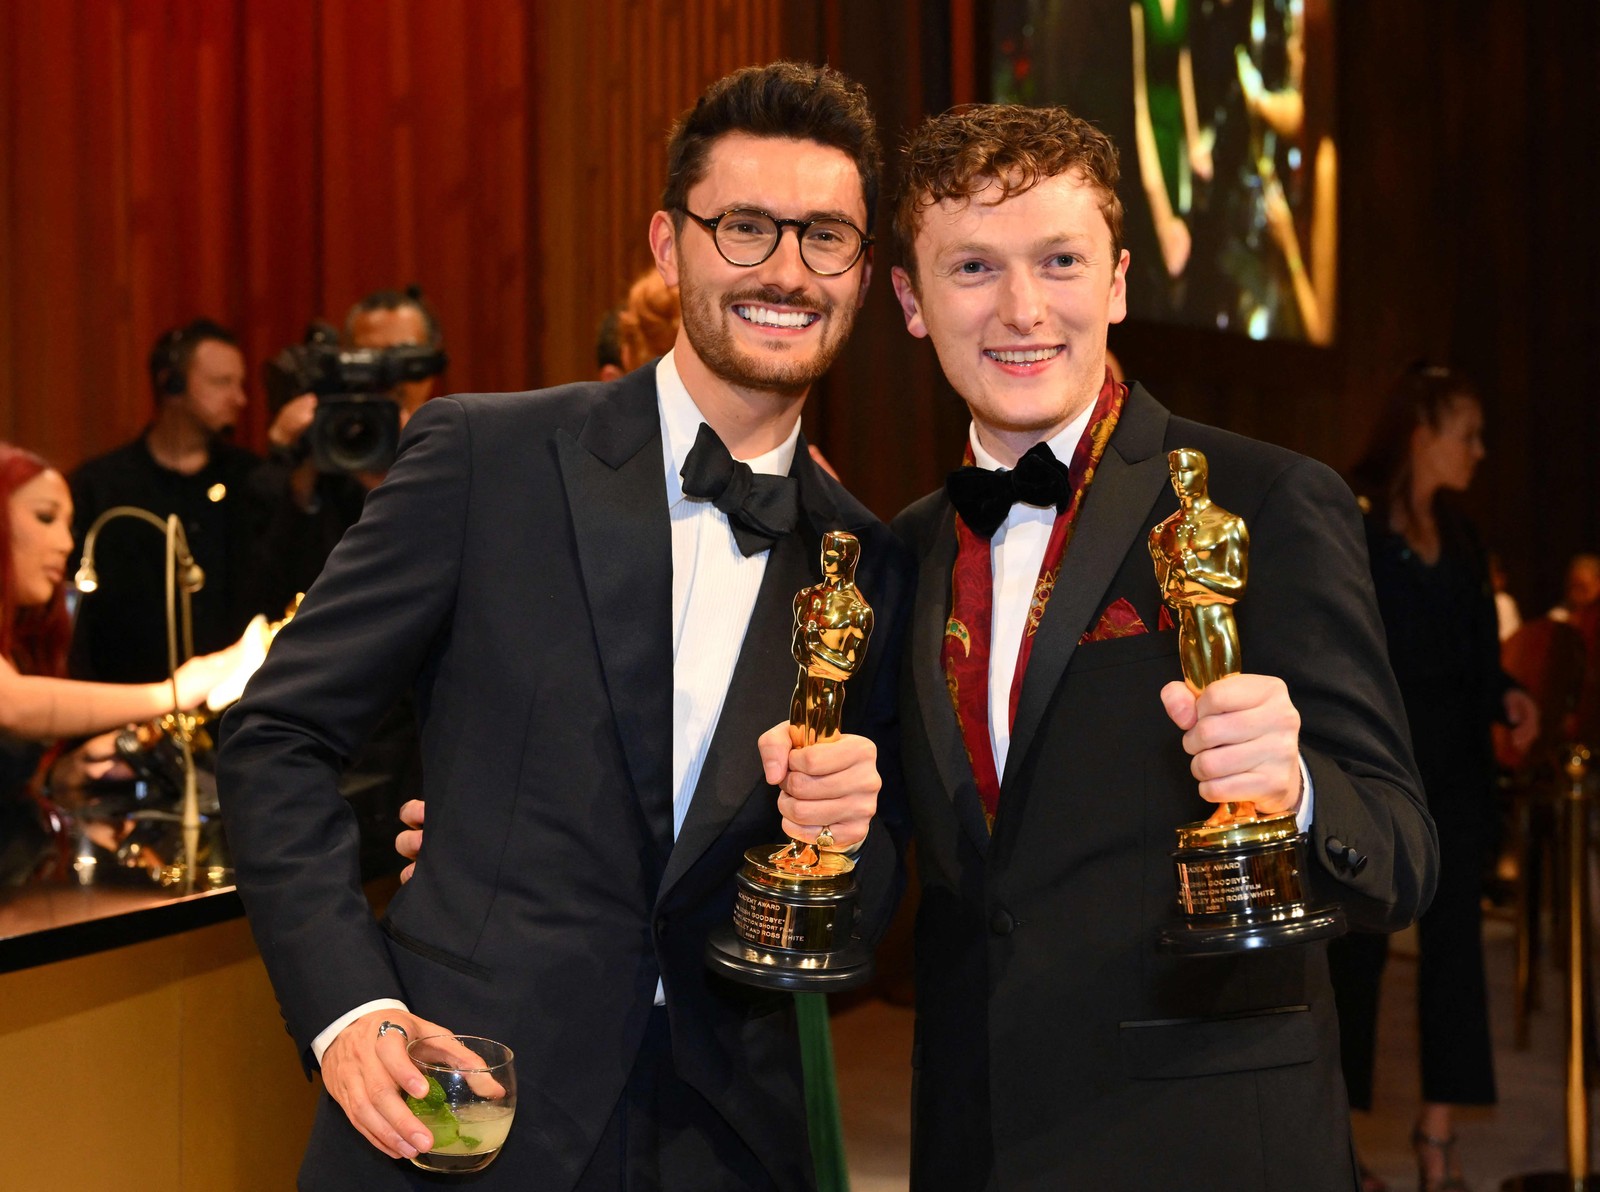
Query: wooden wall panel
[423,171]
[258,161]
[609,77]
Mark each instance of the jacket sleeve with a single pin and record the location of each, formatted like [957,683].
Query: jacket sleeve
[364,633]
[1310,616]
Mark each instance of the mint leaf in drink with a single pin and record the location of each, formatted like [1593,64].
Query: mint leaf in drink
[434,1112]
[469,1143]
[433,1101]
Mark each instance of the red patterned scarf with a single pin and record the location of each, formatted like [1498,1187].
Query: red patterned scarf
[966,635]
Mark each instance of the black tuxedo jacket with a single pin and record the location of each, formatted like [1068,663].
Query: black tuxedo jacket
[515,570]
[1057,1048]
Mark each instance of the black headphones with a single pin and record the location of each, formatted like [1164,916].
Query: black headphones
[174,352]
[166,371]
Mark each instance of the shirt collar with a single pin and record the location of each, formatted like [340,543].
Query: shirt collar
[680,424]
[1062,444]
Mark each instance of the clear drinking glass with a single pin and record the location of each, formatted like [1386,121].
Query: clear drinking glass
[472,1096]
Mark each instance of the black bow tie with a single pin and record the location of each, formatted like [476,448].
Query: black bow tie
[983,497]
[760,508]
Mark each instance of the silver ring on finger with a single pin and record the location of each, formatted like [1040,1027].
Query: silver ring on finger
[386,1026]
[825,837]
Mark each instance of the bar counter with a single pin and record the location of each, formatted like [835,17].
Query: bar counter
[145,1023]
[42,924]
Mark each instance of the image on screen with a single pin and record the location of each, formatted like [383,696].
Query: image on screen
[1222,111]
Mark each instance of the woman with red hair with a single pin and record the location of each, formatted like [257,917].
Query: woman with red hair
[38,704]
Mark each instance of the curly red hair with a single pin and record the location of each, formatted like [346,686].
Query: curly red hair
[647,324]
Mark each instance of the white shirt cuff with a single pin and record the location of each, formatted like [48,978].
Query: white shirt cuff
[331,1032]
[1302,818]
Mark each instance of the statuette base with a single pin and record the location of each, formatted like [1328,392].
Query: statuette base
[1236,897]
[792,929]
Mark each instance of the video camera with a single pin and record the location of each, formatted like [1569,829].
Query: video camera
[357,424]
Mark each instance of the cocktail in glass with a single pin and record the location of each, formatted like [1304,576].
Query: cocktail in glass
[471,1099]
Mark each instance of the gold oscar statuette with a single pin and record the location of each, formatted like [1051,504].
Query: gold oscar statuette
[1241,875]
[795,913]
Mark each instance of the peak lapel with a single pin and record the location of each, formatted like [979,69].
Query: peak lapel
[1115,510]
[616,494]
[930,615]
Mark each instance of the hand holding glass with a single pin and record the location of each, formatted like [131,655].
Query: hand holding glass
[472,1096]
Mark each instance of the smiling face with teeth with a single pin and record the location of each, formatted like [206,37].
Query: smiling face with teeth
[1017,296]
[770,329]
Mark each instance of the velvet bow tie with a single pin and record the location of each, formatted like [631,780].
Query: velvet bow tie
[983,497]
[761,509]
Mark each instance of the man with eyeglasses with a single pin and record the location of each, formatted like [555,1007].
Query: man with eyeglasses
[589,589]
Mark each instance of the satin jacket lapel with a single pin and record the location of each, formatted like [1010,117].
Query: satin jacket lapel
[1112,520]
[617,496]
[763,678]
[930,615]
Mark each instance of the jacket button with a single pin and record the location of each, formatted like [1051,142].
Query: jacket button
[1001,922]
[661,928]
[1342,854]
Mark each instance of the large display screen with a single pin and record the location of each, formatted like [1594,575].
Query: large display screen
[1223,113]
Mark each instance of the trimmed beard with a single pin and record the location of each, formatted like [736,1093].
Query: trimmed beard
[712,338]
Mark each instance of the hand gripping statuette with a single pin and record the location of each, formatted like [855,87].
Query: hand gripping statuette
[1241,875]
[795,909]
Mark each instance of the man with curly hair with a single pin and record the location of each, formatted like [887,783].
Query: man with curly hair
[1051,747]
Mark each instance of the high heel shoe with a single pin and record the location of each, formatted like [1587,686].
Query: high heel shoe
[1425,1144]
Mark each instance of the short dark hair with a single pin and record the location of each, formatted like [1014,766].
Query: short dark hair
[961,152]
[795,100]
[410,297]
[174,351]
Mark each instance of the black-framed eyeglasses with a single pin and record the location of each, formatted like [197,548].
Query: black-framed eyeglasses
[829,244]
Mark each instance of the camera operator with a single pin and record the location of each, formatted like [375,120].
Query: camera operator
[329,448]
[319,470]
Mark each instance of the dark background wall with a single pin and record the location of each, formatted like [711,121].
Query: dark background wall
[268,160]
[1469,137]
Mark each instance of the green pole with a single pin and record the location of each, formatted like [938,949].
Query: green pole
[822,1093]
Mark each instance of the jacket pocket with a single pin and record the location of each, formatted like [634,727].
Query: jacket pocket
[1174,1048]
[1123,651]
[427,951]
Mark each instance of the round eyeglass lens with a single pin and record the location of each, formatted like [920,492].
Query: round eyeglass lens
[746,237]
[830,246]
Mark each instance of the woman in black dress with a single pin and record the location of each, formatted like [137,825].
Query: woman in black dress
[1432,581]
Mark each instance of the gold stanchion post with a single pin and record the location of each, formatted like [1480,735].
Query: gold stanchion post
[1575,826]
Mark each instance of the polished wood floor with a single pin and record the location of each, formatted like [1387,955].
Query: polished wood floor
[1525,1132]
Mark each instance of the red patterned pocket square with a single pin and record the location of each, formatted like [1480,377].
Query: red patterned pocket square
[1120,619]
